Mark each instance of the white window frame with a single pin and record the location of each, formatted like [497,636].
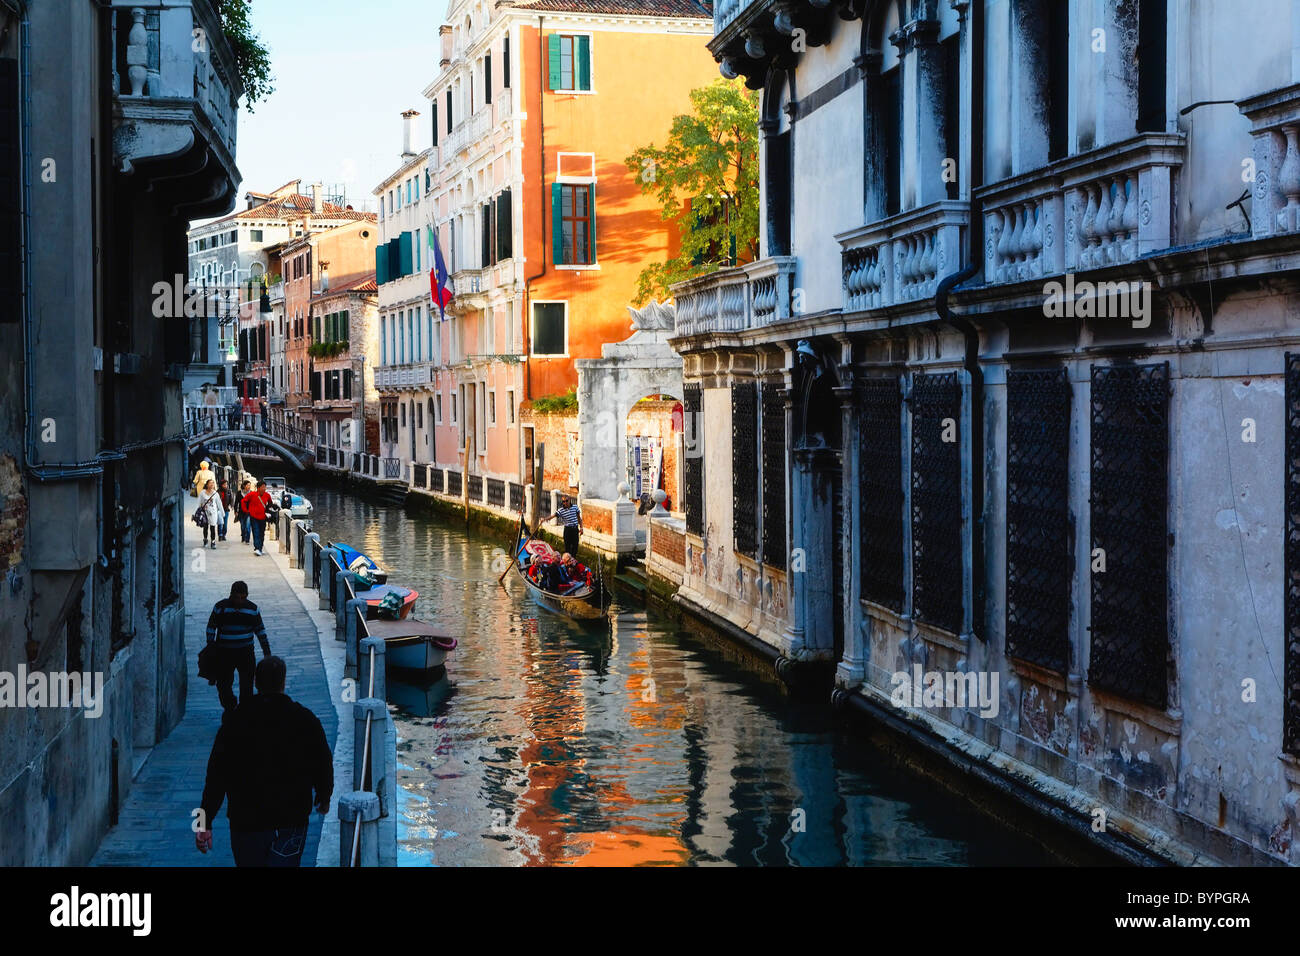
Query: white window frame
[492,406]
[591,46]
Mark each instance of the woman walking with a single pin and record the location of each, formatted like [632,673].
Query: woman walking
[210,504]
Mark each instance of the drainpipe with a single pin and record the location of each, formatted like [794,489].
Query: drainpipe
[975,235]
[541,187]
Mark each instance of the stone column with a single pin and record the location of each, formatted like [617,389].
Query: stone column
[851,669]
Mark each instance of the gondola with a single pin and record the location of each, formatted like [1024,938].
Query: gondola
[583,602]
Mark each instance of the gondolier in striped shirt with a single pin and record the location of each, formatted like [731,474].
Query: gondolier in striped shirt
[570,517]
[233,624]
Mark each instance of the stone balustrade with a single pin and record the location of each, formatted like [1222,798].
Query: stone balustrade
[1102,208]
[901,259]
[735,299]
[1274,164]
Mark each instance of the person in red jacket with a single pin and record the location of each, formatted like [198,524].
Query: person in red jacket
[259,506]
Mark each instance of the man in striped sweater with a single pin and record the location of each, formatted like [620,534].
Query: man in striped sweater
[233,624]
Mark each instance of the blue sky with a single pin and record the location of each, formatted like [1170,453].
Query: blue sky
[344,70]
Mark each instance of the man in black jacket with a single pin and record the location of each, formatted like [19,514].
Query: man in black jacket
[268,759]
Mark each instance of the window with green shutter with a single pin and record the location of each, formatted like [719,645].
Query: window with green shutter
[569,62]
[573,223]
[381,264]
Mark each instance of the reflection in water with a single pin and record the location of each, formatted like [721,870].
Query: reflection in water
[549,742]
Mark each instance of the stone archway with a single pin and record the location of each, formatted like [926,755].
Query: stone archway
[608,387]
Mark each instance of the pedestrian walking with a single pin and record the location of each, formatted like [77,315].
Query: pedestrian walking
[202,477]
[241,511]
[227,500]
[260,506]
[233,624]
[264,414]
[210,506]
[270,763]
[210,406]
[570,517]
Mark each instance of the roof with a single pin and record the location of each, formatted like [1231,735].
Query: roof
[294,206]
[365,283]
[689,9]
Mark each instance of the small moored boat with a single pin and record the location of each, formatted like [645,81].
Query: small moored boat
[412,644]
[388,601]
[354,560]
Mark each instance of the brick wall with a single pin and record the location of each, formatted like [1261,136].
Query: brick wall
[668,544]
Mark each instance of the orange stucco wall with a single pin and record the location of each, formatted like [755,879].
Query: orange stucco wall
[640,81]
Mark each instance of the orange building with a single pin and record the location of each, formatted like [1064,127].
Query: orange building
[543,227]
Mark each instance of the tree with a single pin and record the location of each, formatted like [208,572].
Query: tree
[706,181]
[252,59]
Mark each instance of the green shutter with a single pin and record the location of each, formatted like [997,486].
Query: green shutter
[557,224]
[591,224]
[381,264]
[582,52]
[405,254]
[553,56]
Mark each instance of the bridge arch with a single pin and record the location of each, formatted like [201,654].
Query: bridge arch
[300,459]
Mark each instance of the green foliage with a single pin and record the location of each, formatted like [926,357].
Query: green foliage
[252,58]
[706,181]
[568,402]
[326,349]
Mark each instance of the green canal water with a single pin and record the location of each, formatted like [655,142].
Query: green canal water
[548,742]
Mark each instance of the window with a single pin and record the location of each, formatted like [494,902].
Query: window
[744,467]
[510,405]
[569,62]
[937,565]
[505,62]
[1130,524]
[693,477]
[492,407]
[573,223]
[1152,31]
[449,111]
[550,332]
[504,226]
[774,469]
[487,78]
[255,235]
[419,416]
[1039,564]
[438,408]
[403,414]
[453,408]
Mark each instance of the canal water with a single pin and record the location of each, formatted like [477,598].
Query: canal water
[548,742]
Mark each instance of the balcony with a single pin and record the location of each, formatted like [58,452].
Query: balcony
[1106,207]
[1275,128]
[404,376]
[901,259]
[736,299]
[176,98]
[467,134]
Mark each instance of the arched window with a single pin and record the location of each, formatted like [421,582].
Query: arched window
[777,158]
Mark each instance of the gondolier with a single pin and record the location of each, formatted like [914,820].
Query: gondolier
[570,517]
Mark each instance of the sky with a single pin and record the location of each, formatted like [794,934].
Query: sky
[343,70]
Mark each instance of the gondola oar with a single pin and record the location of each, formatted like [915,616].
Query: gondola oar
[514,556]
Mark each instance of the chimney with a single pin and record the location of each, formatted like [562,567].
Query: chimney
[407,153]
[317,202]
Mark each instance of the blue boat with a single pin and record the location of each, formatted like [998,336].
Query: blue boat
[352,559]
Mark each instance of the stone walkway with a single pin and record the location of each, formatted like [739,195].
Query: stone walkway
[154,826]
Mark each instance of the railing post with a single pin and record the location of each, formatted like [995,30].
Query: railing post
[308,559]
[351,636]
[376,711]
[368,648]
[359,810]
